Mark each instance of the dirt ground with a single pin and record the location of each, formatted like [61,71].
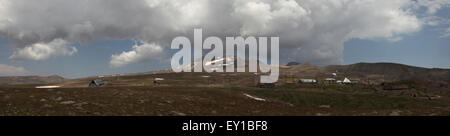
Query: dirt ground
[209,101]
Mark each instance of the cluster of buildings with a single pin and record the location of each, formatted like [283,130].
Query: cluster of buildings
[329,81]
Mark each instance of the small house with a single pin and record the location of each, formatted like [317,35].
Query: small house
[97,83]
[157,81]
[346,81]
[308,81]
[330,80]
[266,85]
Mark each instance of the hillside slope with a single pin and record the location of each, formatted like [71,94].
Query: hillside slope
[27,80]
[392,72]
[372,73]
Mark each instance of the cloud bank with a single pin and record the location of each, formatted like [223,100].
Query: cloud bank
[432,5]
[309,30]
[7,70]
[446,33]
[139,53]
[43,51]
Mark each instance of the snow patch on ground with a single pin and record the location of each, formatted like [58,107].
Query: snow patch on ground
[254,98]
[47,87]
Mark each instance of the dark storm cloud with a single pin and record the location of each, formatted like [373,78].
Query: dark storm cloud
[309,30]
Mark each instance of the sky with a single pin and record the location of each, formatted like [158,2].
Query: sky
[79,38]
[426,48]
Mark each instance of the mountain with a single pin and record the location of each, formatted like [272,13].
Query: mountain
[292,63]
[220,63]
[392,71]
[373,73]
[28,80]
[366,73]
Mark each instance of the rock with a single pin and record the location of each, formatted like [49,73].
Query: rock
[257,111]
[98,104]
[80,104]
[47,106]
[43,100]
[395,113]
[6,97]
[323,114]
[214,112]
[433,114]
[325,106]
[58,99]
[67,102]
[187,99]
[176,113]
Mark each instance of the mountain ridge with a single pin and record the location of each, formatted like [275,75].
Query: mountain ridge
[23,80]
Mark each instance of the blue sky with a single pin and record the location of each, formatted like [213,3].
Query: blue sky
[425,48]
[91,60]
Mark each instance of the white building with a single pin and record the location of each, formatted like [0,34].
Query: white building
[308,81]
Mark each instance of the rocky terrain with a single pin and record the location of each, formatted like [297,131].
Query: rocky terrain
[424,92]
[29,80]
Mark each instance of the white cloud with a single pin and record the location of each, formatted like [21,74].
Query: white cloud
[7,70]
[446,33]
[42,51]
[318,27]
[433,5]
[435,21]
[139,53]
[260,18]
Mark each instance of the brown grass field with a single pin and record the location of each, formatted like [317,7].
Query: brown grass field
[184,94]
[218,94]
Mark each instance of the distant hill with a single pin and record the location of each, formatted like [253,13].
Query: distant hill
[292,63]
[366,73]
[371,72]
[392,71]
[27,80]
